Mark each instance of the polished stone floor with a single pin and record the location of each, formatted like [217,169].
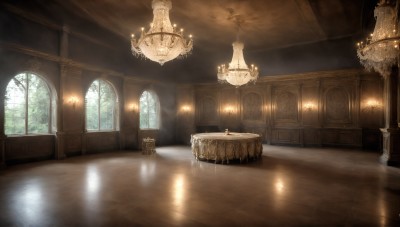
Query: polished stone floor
[288,187]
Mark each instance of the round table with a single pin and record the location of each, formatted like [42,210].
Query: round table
[221,147]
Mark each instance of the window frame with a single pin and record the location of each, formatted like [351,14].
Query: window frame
[115,120]
[157,110]
[51,107]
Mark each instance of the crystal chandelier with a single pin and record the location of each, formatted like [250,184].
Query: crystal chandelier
[237,72]
[162,42]
[380,51]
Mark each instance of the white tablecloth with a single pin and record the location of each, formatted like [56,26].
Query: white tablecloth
[220,147]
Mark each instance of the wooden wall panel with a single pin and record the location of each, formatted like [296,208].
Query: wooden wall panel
[207,111]
[73,144]
[286,136]
[311,137]
[252,107]
[310,104]
[101,141]
[312,109]
[29,148]
[285,102]
[337,106]
[342,137]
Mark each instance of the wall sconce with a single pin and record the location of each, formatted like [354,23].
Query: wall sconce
[133,107]
[229,110]
[185,109]
[372,105]
[73,100]
[309,106]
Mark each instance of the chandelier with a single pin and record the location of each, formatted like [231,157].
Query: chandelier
[162,42]
[237,72]
[380,51]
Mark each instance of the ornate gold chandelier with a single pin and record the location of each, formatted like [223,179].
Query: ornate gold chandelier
[381,50]
[162,42]
[237,72]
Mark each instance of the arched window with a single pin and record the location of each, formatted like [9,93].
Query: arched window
[101,107]
[149,111]
[27,105]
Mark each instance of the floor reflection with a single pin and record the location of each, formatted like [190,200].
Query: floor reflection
[93,183]
[147,171]
[178,195]
[314,187]
[279,185]
[29,202]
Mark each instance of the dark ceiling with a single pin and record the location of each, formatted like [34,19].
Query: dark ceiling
[280,36]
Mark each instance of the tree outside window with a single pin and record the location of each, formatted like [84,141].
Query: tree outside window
[149,110]
[27,105]
[100,107]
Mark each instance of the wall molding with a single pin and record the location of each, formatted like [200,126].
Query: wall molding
[72,63]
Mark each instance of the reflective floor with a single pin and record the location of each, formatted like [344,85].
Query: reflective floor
[288,187]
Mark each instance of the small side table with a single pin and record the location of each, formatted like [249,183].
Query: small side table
[148,146]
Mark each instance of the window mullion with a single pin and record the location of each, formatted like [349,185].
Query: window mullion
[148,109]
[98,107]
[26,102]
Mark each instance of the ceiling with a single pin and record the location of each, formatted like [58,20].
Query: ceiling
[281,37]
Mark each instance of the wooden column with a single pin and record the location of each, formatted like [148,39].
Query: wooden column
[391,132]
[60,135]
[3,137]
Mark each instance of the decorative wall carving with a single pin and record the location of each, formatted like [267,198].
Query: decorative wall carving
[286,106]
[252,106]
[337,106]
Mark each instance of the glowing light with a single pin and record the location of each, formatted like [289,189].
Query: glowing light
[186,108]
[309,106]
[377,52]
[237,72]
[133,107]
[229,109]
[279,186]
[73,100]
[161,43]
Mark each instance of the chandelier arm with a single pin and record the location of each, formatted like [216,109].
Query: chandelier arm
[385,40]
[238,69]
[371,44]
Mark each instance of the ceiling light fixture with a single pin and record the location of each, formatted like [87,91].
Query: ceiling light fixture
[162,42]
[380,51]
[237,72]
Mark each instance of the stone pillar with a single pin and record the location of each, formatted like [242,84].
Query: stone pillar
[391,132]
